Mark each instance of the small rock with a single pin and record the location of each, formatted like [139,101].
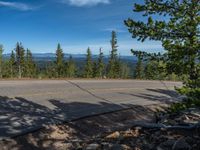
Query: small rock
[171,122]
[126,147]
[114,135]
[93,146]
[106,145]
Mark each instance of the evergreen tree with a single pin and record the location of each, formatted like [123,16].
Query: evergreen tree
[71,68]
[149,70]
[150,65]
[20,59]
[6,69]
[179,33]
[95,69]
[154,70]
[30,65]
[100,65]
[138,73]
[118,67]
[12,64]
[88,66]
[124,71]
[59,61]
[139,69]
[50,69]
[1,60]
[113,62]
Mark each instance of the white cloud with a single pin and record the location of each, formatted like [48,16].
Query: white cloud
[16,5]
[80,3]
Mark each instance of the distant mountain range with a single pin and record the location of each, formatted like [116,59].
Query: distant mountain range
[51,56]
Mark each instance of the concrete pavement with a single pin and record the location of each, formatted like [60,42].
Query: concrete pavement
[26,105]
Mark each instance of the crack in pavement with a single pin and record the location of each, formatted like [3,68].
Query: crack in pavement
[89,92]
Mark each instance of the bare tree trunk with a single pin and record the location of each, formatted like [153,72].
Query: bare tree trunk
[19,72]
[11,71]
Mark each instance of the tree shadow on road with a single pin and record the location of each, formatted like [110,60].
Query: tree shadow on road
[170,93]
[19,116]
[159,95]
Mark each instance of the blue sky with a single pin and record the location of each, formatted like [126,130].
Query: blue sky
[76,24]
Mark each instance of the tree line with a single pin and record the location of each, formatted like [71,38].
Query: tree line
[150,66]
[21,64]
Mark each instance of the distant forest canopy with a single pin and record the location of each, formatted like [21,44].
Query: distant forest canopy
[21,63]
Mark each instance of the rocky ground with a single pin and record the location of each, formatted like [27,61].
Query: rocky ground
[178,131]
[134,129]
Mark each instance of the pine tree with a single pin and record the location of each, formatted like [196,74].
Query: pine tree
[150,65]
[138,69]
[113,61]
[124,71]
[150,70]
[6,69]
[138,73]
[179,33]
[100,65]
[59,61]
[30,64]
[20,59]
[71,68]
[1,60]
[12,64]
[51,70]
[95,69]
[118,67]
[88,66]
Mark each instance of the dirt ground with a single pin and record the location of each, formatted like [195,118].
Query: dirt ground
[114,131]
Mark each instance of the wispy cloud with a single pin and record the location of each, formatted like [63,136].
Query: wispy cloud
[16,5]
[81,3]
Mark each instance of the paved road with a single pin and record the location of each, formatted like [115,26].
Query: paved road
[29,104]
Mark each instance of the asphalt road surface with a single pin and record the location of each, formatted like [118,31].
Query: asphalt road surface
[26,105]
